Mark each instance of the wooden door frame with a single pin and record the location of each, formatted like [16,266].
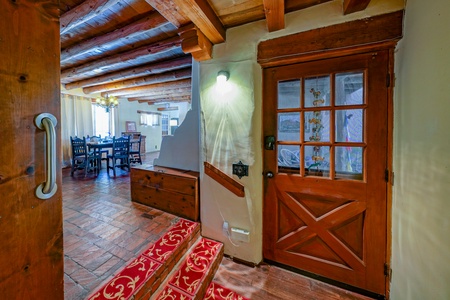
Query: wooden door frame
[355,37]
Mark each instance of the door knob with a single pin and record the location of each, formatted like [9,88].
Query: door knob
[269,174]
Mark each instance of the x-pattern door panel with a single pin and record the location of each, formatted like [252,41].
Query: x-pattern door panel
[325,206]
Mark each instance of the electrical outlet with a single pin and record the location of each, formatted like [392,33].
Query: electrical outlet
[225,228]
[239,234]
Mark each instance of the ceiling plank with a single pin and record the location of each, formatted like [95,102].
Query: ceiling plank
[83,13]
[152,68]
[109,63]
[274,10]
[293,5]
[351,6]
[150,79]
[203,16]
[169,10]
[152,21]
[183,83]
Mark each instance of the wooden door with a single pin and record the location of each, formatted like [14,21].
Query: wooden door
[31,241]
[325,188]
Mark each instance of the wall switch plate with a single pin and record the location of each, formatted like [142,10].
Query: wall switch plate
[225,228]
[238,234]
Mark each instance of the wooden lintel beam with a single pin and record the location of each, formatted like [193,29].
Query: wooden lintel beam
[204,17]
[84,12]
[107,64]
[183,83]
[274,10]
[193,41]
[316,42]
[152,68]
[150,79]
[150,22]
[351,6]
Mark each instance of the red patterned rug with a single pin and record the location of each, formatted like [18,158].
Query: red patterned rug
[147,267]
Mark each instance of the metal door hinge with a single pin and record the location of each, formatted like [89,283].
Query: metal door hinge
[389,176]
[387,271]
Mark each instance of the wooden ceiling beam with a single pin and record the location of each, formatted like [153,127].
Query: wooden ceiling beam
[161,93]
[152,68]
[274,10]
[351,6]
[199,12]
[150,79]
[193,41]
[158,98]
[183,83]
[204,17]
[186,98]
[150,22]
[169,10]
[84,12]
[114,62]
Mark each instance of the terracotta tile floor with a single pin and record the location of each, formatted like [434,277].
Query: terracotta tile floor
[103,230]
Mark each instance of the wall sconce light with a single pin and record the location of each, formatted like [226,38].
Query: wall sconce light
[222,77]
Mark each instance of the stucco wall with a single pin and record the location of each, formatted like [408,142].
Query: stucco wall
[217,203]
[421,193]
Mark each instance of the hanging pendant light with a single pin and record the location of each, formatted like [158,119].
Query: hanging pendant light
[107,102]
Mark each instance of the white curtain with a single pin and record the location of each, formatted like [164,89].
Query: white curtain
[76,120]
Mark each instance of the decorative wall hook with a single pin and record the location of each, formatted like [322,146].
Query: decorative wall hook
[240,169]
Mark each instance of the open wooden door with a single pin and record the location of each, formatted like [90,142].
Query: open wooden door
[325,160]
[31,241]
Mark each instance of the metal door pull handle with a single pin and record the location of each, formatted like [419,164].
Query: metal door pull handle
[47,122]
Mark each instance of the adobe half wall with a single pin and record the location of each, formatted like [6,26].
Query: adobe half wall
[231,121]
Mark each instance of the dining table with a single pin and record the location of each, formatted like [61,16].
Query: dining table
[100,146]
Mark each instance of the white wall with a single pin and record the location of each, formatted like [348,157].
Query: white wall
[421,193]
[217,203]
[127,111]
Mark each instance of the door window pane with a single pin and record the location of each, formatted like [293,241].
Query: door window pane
[317,91]
[288,158]
[289,127]
[289,94]
[317,161]
[317,126]
[349,88]
[349,125]
[349,163]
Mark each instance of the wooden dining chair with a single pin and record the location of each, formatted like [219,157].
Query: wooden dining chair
[135,150]
[121,153]
[82,159]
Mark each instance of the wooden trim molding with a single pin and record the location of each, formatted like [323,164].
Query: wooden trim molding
[332,41]
[225,180]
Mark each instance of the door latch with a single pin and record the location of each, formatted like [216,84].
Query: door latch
[269,142]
